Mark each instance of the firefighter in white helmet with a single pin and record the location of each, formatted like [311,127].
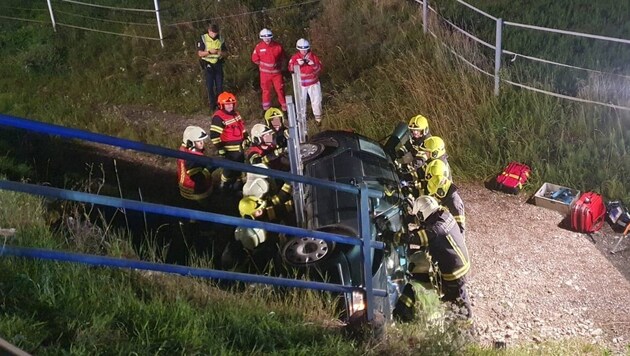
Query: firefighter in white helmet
[264,150]
[440,236]
[310,67]
[195,179]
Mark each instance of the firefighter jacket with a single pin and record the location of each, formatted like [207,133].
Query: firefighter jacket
[195,179]
[269,57]
[227,131]
[445,243]
[455,205]
[270,156]
[281,137]
[279,206]
[208,43]
[309,71]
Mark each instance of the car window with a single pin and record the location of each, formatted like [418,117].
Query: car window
[371,147]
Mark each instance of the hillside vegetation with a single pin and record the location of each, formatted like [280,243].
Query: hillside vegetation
[379,69]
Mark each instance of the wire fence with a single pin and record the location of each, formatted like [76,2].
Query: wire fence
[433,21]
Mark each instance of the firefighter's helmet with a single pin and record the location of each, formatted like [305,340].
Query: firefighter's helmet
[256,187]
[226,98]
[249,205]
[302,44]
[193,134]
[250,237]
[419,123]
[434,146]
[257,133]
[265,33]
[273,113]
[436,167]
[424,206]
[438,186]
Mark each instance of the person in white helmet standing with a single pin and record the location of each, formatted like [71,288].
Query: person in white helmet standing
[310,67]
[269,56]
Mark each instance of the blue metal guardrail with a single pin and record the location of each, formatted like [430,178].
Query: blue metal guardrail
[363,191]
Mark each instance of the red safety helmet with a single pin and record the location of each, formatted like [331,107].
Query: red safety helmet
[226,98]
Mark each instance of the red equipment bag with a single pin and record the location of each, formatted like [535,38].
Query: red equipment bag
[513,177]
[588,212]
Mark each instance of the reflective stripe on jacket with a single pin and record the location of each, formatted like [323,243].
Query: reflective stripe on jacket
[227,130]
[268,57]
[210,44]
[309,74]
[196,189]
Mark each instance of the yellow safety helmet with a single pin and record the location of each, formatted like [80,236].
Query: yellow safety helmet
[273,113]
[419,122]
[436,167]
[434,146]
[438,186]
[248,206]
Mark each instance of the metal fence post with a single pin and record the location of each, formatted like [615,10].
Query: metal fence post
[366,237]
[52,15]
[159,24]
[295,160]
[297,92]
[425,16]
[497,56]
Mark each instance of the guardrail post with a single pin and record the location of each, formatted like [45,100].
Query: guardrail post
[52,15]
[425,16]
[295,160]
[366,238]
[497,56]
[159,24]
[297,93]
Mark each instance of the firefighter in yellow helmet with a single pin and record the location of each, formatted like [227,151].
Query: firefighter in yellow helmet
[274,119]
[446,246]
[434,149]
[411,156]
[441,187]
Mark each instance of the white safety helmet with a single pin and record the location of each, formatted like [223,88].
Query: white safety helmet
[303,44]
[193,134]
[257,133]
[256,187]
[265,33]
[250,237]
[424,206]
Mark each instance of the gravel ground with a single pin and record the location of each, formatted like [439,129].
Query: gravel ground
[534,280]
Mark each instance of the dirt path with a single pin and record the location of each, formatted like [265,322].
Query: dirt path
[533,280]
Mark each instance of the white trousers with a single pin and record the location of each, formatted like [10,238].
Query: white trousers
[314,91]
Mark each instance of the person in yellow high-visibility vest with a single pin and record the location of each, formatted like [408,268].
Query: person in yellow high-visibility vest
[211,51]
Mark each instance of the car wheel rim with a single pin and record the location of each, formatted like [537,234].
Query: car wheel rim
[305,250]
[309,150]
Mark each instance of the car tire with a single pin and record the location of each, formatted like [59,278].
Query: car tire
[310,151]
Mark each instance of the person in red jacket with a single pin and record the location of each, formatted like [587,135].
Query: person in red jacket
[264,150]
[310,67]
[195,179]
[227,133]
[269,56]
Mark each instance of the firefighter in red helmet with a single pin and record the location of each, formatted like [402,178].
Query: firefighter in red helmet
[227,133]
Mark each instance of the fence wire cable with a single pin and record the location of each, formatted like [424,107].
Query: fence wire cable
[460,56]
[21,19]
[241,14]
[516,55]
[105,20]
[108,32]
[620,107]
[107,7]
[565,32]
[476,10]
[462,31]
